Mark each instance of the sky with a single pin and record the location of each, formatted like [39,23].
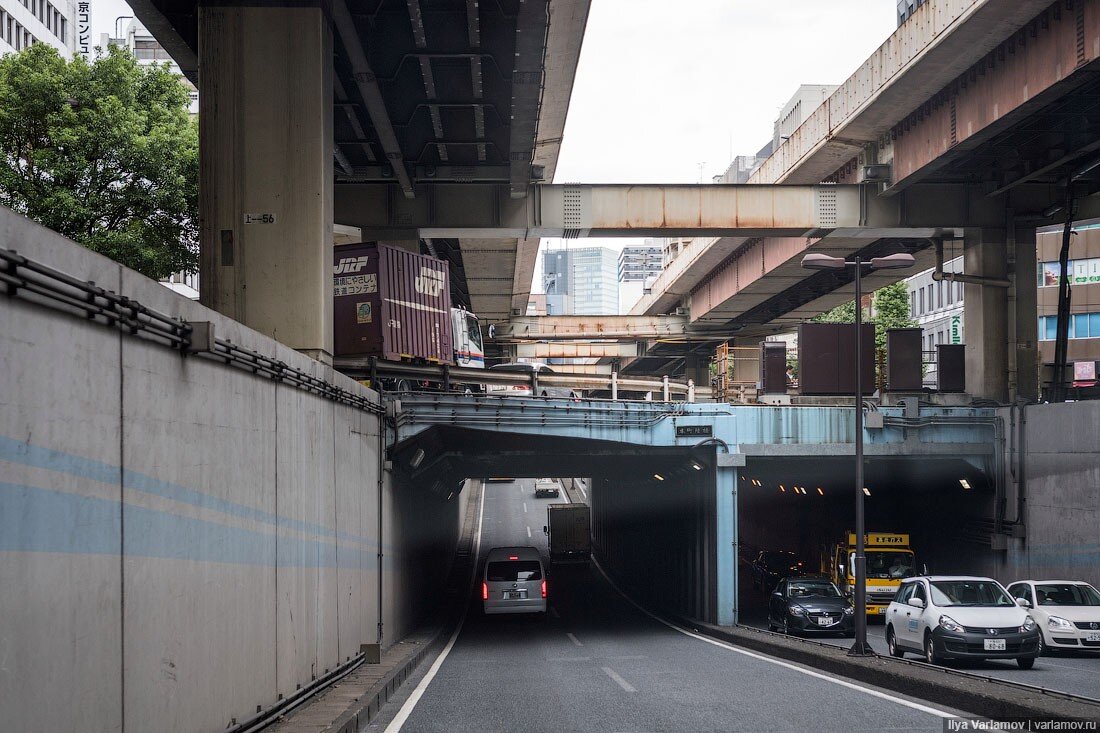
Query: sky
[669,92]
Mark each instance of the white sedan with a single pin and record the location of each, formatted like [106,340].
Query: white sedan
[1067,612]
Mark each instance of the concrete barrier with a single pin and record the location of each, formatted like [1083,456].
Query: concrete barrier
[183,543]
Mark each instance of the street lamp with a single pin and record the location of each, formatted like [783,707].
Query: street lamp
[816,261]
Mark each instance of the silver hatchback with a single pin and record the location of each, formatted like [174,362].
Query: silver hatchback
[514,581]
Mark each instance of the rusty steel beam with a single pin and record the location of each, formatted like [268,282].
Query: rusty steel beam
[565,328]
[576,350]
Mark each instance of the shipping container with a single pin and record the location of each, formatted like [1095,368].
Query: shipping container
[392,304]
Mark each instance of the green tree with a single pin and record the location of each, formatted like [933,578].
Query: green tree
[102,152]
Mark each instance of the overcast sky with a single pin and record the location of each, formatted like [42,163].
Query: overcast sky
[666,91]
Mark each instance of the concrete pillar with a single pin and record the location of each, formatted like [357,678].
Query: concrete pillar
[984,314]
[266,147]
[1001,323]
[726,546]
[1024,374]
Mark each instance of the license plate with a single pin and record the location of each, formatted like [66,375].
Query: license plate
[994,645]
[515,595]
[825,621]
[1094,636]
[881,610]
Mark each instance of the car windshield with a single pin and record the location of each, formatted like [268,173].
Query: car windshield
[969,593]
[1066,594]
[889,565]
[514,571]
[474,331]
[805,589]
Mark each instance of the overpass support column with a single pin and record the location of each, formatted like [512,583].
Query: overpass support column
[266,151]
[1001,323]
[725,565]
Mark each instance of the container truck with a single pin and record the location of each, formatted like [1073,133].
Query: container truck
[567,532]
[396,305]
[889,560]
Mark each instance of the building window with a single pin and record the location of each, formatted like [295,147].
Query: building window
[1081,326]
[939,294]
[922,301]
[931,302]
[913,304]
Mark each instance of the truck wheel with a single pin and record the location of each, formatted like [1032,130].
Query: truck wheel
[1025,662]
[892,644]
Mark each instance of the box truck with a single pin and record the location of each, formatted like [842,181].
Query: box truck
[567,532]
[396,305]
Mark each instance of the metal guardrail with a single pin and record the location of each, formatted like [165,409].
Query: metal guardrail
[448,376]
[24,278]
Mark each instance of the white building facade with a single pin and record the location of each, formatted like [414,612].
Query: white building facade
[937,307]
[24,22]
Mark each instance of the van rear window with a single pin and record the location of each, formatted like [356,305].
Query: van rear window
[513,571]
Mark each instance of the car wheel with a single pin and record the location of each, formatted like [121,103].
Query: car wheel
[1025,662]
[892,644]
[1042,646]
[786,627]
[930,654]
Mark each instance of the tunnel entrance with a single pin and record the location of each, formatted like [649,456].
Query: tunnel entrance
[805,506]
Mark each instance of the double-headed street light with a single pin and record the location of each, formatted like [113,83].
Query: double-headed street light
[817,261]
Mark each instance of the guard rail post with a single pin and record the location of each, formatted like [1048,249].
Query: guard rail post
[614,386]
[664,389]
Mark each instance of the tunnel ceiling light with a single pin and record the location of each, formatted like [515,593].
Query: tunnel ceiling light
[417,458]
[696,466]
[866,491]
[964,483]
[820,491]
[781,488]
[659,477]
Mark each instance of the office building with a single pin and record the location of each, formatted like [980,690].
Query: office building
[638,262]
[937,307]
[23,22]
[1083,346]
[581,281]
[147,50]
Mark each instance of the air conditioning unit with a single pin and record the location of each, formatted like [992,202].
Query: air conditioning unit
[876,173]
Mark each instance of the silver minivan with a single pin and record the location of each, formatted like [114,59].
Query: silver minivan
[514,581]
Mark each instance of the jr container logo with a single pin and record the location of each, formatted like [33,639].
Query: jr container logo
[349,265]
[429,282]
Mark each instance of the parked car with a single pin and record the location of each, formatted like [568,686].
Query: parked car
[810,604]
[1067,612]
[546,488]
[945,617]
[514,581]
[524,390]
[770,566]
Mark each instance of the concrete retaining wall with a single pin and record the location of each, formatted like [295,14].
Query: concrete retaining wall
[182,542]
[1060,448]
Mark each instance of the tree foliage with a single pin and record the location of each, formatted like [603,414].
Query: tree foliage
[104,153]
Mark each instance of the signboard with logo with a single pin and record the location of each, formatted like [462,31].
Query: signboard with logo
[956,336]
[83,29]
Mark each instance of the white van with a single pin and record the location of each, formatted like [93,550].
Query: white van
[514,581]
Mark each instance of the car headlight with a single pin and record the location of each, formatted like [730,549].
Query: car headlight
[848,611]
[797,610]
[1057,622]
[950,624]
[1028,624]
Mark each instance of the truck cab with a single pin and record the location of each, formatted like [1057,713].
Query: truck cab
[890,559]
[469,349]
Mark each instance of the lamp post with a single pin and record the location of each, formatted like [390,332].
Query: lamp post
[892,262]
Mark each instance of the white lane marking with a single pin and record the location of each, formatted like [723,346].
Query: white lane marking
[573,639]
[621,682]
[584,493]
[569,659]
[778,662]
[524,507]
[406,709]
[528,531]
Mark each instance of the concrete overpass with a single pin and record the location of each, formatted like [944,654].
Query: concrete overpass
[998,98]
[300,99]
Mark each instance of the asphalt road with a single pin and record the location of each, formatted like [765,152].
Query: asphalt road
[597,663]
[1077,673]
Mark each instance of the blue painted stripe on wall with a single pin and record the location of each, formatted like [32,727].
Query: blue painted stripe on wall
[18,451]
[34,519]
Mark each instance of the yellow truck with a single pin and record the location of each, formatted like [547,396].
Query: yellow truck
[889,560]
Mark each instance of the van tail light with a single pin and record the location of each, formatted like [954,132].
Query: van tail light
[484,591]
[544,589]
